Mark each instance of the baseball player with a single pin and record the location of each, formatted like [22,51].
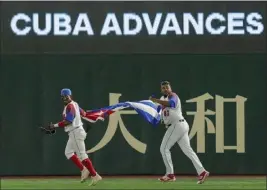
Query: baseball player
[177,132]
[73,125]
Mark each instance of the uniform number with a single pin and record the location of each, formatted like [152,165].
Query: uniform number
[166,113]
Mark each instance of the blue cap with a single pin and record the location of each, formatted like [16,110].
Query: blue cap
[65,92]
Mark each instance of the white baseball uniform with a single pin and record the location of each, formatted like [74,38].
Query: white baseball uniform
[177,131]
[76,132]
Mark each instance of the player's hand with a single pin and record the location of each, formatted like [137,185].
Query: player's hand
[51,126]
[152,98]
[48,130]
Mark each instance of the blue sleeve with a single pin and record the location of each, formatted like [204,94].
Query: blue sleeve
[159,108]
[173,100]
[70,113]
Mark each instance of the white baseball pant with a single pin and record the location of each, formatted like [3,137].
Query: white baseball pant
[76,144]
[178,133]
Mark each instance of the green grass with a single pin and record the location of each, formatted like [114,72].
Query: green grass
[135,183]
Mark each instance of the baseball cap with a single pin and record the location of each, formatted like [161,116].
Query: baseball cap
[65,92]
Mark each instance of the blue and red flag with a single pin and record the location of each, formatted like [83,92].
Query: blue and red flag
[147,109]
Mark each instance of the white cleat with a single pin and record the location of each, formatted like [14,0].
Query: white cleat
[84,175]
[95,179]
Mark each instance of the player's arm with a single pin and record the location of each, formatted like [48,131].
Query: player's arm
[172,102]
[82,112]
[70,115]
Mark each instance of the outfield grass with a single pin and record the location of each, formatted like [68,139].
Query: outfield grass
[136,183]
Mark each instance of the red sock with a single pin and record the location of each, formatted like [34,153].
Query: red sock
[88,164]
[76,161]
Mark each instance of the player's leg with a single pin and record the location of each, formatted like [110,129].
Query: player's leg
[184,143]
[171,136]
[69,153]
[80,149]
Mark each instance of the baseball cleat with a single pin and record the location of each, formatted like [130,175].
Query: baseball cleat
[95,179]
[84,175]
[162,178]
[166,178]
[202,177]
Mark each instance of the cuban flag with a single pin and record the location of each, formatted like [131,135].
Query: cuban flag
[147,109]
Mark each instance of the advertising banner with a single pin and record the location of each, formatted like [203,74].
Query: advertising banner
[133,27]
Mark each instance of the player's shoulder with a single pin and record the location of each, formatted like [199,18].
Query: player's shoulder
[173,94]
[162,98]
[71,105]
[74,102]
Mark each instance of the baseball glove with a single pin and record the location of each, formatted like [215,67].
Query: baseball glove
[49,130]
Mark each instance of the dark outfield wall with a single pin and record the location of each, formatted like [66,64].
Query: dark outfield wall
[32,85]
[220,78]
